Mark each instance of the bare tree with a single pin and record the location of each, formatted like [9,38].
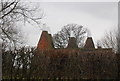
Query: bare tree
[61,38]
[110,40]
[118,40]
[13,12]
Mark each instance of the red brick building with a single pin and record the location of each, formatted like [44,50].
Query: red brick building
[95,63]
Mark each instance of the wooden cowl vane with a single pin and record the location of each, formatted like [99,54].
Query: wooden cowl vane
[45,42]
[72,43]
[89,43]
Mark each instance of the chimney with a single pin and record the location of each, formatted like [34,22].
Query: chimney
[89,43]
[72,43]
[45,42]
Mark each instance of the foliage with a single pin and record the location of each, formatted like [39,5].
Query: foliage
[17,63]
[60,63]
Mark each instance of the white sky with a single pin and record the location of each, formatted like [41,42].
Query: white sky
[70,0]
[99,17]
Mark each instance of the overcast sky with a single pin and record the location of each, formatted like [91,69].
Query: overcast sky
[98,17]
